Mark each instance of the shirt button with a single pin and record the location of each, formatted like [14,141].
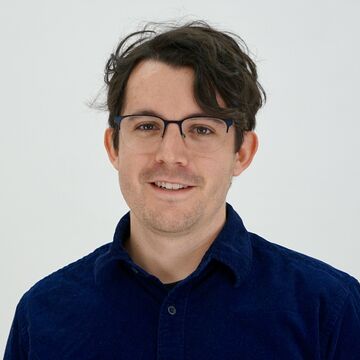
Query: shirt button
[172,310]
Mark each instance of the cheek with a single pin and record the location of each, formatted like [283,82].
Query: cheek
[130,167]
[126,173]
[218,173]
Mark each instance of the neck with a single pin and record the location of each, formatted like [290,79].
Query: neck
[171,257]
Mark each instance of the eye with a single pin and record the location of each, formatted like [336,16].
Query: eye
[147,127]
[202,127]
[202,130]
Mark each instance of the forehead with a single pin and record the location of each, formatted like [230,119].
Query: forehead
[156,85]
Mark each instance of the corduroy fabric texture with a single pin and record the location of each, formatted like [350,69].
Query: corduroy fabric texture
[248,299]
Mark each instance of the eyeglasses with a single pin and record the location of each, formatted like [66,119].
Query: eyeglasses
[200,133]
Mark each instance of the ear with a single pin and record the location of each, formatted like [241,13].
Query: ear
[246,153]
[112,153]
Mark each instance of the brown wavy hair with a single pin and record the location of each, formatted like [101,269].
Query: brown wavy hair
[220,62]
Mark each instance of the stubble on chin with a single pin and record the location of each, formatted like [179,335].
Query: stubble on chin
[168,217]
[172,219]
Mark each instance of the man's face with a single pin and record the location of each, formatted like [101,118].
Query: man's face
[167,91]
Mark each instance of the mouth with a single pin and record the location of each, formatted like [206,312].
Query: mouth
[170,188]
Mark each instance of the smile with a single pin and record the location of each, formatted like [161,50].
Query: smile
[170,186]
[171,191]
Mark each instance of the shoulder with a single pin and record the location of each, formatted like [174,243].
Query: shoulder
[299,282]
[288,259]
[300,275]
[66,280]
[290,263]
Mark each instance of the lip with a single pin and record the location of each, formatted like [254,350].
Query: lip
[171,182]
[171,194]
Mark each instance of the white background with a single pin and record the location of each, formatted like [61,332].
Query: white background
[59,194]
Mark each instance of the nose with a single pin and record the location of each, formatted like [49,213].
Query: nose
[172,148]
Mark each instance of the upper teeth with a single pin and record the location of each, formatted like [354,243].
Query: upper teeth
[170,185]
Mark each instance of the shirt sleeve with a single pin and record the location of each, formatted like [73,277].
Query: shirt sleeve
[344,341]
[18,341]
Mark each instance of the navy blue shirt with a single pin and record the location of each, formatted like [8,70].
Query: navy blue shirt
[248,299]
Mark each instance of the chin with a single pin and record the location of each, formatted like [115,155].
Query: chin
[170,219]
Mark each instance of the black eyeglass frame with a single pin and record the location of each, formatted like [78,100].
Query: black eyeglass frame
[228,122]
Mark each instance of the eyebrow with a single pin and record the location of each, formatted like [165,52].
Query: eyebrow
[155,113]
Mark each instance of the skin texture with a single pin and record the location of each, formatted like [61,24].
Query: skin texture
[170,234]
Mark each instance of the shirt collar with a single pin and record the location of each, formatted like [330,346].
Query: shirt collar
[231,247]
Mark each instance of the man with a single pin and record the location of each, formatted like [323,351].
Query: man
[183,278]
